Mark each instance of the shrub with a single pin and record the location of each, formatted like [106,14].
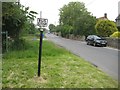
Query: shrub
[116,35]
[19,44]
[105,28]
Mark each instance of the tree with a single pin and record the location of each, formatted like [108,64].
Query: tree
[52,28]
[58,28]
[15,17]
[29,28]
[15,20]
[75,15]
[66,30]
[105,28]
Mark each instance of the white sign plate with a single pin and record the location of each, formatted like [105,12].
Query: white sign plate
[42,22]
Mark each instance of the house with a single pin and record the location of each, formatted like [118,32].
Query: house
[118,17]
[103,18]
[118,7]
[118,20]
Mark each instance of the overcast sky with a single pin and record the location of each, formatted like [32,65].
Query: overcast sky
[50,8]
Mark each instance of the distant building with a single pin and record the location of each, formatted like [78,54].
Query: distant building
[118,21]
[104,17]
[119,8]
[118,17]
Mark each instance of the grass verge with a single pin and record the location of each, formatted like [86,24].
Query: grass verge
[59,69]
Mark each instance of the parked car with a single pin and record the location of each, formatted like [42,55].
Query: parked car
[96,41]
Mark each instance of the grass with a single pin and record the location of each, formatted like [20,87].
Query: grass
[59,69]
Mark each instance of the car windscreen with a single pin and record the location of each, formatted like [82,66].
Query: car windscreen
[98,38]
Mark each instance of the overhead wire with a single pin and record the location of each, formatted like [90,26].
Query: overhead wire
[91,2]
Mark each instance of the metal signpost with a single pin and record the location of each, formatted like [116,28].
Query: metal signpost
[41,22]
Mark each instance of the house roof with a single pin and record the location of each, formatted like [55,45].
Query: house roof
[118,17]
[104,17]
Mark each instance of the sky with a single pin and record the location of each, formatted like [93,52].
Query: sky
[50,8]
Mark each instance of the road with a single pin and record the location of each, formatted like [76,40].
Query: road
[103,58]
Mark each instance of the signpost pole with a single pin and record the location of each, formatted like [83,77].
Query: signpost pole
[40,49]
[41,22]
[40,53]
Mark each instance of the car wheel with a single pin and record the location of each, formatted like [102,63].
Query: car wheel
[105,45]
[94,44]
[87,43]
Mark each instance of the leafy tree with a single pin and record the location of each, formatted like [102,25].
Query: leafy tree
[14,18]
[66,30]
[29,28]
[75,15]
[105,28]
[52,28]
[58,28]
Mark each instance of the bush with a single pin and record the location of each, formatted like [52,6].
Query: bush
[105,28]
[19,44]
[116,35]
[66,30]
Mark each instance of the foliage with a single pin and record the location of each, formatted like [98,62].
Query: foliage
[16,20]
[75,15]
[13,19]
[29,28]
[105,28]
[58,28]
[66,30]
[19,44]
[116,34]
[52,28]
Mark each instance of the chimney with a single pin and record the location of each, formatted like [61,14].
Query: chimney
[105,15]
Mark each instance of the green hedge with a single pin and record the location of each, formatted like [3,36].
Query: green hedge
[116,35]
